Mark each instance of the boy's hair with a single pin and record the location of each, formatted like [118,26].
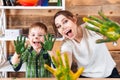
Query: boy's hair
[38,24]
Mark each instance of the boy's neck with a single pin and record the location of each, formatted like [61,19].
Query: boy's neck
[37,50]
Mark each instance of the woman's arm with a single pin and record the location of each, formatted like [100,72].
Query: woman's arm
[69,58]
[63,71]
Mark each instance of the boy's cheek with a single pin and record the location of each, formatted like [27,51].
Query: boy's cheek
[42,40]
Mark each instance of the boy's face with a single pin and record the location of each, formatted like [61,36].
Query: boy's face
[36,35]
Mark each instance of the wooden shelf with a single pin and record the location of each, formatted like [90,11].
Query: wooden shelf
[56,79]
[31,7]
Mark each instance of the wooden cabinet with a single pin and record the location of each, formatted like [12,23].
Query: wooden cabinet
[16,74]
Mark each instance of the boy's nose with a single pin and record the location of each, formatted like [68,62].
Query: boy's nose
[36,37]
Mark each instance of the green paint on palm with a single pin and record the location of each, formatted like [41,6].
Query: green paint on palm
[108,28]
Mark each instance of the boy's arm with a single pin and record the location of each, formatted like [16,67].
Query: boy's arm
[15,61]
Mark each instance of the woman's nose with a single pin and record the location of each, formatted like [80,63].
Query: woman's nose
[63,27]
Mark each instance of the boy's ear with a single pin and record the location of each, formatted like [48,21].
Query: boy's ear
[28,36]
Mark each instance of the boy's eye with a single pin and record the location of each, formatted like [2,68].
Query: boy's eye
[32,35]
[41,35]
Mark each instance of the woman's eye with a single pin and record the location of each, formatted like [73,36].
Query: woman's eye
[65,21]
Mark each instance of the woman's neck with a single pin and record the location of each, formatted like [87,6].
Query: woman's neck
[79,34]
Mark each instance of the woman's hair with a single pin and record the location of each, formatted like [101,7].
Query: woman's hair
[65,13]
[38,24]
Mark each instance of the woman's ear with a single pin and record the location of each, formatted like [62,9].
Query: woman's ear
[74,19]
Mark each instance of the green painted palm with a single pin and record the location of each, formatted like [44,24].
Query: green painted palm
[108,28]
[20,44]
[48,42]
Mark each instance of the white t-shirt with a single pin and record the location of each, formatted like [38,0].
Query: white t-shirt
[95,58]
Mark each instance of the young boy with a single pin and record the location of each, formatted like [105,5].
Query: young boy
[36,54]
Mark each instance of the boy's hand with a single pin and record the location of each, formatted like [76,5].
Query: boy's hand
[63,72]
[20,44]
[108,28]
[48,42]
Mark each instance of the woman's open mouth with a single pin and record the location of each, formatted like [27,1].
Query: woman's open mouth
[69,33]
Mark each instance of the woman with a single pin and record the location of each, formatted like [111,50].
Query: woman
[80,45]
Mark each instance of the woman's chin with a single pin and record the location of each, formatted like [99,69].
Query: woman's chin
[70,37]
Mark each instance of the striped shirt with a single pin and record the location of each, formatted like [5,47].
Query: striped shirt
[35,63]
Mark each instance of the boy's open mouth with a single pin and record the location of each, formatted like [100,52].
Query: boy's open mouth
[36,42]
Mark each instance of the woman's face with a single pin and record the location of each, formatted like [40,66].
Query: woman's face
[36,36]
[66,27]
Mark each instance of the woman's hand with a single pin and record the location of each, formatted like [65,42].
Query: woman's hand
[63,71]
[108,28]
